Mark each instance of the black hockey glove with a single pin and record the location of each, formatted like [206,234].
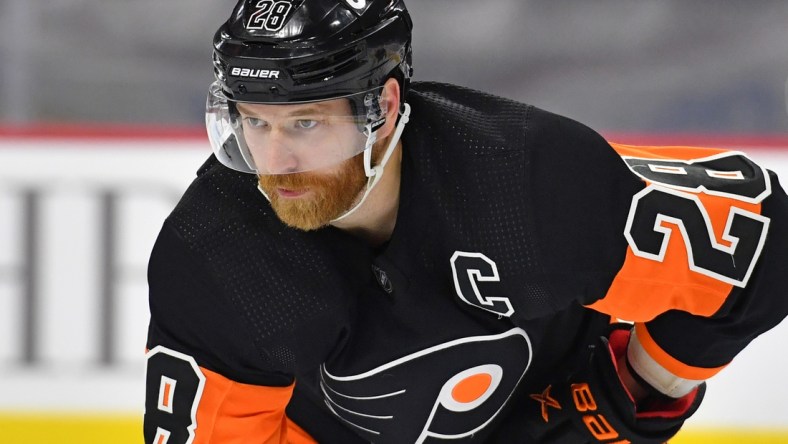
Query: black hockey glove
[593,406]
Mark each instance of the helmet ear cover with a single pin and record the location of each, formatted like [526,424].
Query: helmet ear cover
[374,108]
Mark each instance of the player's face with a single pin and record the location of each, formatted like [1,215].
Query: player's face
[306,157]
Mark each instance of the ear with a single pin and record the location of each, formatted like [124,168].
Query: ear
[390,96]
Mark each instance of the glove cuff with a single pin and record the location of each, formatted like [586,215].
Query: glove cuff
[656,404]
[657,417]
[654,373]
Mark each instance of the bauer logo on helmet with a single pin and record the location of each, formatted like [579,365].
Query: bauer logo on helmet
[254,73]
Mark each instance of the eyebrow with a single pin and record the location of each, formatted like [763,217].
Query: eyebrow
[307,110]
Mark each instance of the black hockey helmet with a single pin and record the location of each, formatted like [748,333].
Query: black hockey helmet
[307,50]
[299,51]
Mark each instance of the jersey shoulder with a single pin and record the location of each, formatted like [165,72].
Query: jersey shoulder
[542,196]
[216,198]
[227,279]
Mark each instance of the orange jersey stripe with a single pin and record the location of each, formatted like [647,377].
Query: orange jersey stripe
[665,152]
[670,363]
[234,413]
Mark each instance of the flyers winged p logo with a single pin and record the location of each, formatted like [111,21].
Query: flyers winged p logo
[448,391]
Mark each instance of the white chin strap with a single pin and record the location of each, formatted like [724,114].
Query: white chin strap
[374,173]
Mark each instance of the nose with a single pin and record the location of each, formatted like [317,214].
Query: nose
[277,155]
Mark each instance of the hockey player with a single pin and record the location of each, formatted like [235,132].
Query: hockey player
[368,260]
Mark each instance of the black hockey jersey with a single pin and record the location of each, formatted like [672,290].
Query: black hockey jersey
[512,223]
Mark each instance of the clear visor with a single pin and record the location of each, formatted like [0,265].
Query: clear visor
[268,139]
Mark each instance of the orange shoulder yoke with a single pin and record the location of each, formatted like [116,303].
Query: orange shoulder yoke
[646,287]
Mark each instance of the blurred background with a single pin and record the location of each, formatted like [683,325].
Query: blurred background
[650,65]
[101,111]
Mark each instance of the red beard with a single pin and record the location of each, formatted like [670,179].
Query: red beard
[328,197]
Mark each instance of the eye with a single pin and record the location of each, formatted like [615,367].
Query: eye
[253,122]
[306,123]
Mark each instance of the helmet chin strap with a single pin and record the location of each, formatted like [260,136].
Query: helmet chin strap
[374,173]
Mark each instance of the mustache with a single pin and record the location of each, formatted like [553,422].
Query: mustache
[309,179]
[291,181]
